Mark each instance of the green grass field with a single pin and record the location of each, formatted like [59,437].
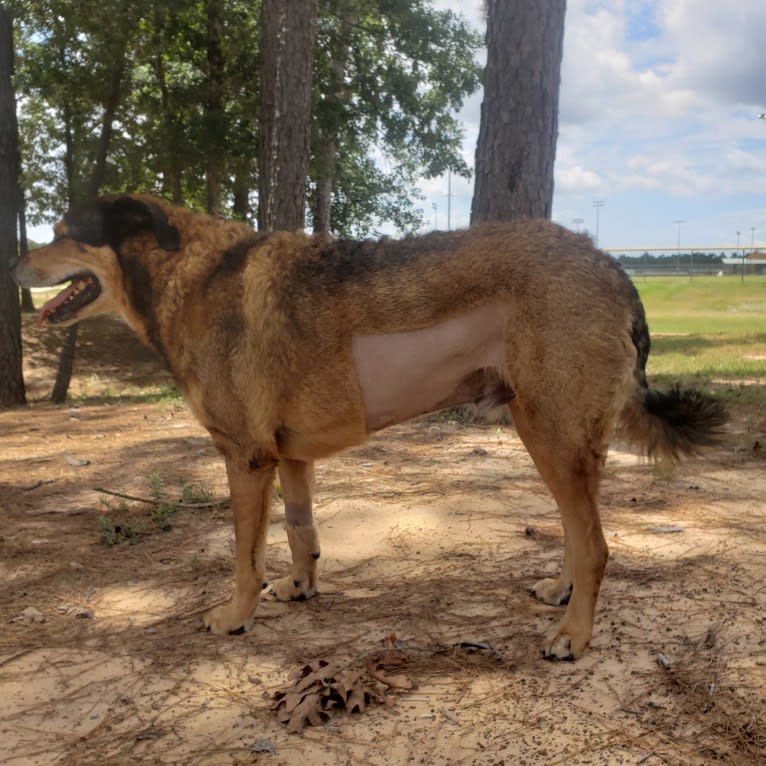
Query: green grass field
[710,328]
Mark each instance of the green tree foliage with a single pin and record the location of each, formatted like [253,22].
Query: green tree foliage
[389,76]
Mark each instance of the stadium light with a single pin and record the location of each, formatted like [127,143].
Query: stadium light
[678,222]
[598,204]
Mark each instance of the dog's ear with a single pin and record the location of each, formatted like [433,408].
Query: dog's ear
[126,216]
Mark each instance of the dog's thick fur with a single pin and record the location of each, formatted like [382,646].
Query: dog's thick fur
[289,348]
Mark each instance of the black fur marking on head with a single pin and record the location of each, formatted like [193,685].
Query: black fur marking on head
[126,216]
[112,219]
[86,223]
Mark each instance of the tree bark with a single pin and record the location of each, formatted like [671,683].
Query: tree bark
[241,193]
[65,366]
[288,35]
[327,145]
[326,164]
[11,376]
[173,171]
[215,115]
[95,182]
[516,149]
[66,354]
[27,305]
[111,103]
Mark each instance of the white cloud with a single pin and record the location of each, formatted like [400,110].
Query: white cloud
[719,48]
[658,116]
[577,179]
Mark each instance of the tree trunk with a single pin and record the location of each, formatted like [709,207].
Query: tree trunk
[323,215]
[27,305]
[327,146]
[288,34]
[519,115]
[66,354]
[11,376]
[95,182]
[216,133]
[241,191]
[111,103]
[66,365]
[173,172]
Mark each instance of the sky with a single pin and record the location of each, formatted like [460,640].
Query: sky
[658,120]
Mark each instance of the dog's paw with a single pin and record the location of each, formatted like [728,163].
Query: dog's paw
[288,589]
[563,645]
[228,618]
[552,591]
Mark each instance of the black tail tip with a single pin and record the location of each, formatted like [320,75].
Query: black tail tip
[689,420]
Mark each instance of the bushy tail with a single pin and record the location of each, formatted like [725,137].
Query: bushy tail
[673,424]
[669,424]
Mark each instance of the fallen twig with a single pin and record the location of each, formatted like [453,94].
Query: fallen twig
[38,484]
[152,501]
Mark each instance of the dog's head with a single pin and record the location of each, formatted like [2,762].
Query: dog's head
[84,256]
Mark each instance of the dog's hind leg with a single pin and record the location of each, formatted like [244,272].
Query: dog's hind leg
[556,591]
[572,472]
[297,481]
[251,485]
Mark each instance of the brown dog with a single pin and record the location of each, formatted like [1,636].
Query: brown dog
[289,348]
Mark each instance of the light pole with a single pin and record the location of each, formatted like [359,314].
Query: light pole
[598,204]
[678,222]
[742,276]
[578,222]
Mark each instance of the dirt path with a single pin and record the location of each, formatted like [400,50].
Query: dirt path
[432,534]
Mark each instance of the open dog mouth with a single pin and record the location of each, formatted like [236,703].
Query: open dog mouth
[82,290]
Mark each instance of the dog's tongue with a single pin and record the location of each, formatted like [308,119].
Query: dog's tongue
[51,305]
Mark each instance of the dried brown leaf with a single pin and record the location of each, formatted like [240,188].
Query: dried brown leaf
[387,659]
[319,689]
[309,710]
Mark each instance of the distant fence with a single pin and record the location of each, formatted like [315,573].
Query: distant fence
[668,262]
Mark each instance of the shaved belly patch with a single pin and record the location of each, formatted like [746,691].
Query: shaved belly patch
[406,374]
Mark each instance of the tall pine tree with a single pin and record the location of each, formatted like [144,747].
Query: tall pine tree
[519,115]
[11,378]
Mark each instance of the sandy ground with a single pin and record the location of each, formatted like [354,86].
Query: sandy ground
[432,534]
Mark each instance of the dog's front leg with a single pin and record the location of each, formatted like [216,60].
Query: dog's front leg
[251,485]
[297,481]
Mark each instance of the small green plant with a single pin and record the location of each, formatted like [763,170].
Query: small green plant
[164,508]
[106,530]
[132,533]
[194,493]
[161,516]
[113,528]
[112,533]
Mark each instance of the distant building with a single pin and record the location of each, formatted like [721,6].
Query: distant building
[754,263]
